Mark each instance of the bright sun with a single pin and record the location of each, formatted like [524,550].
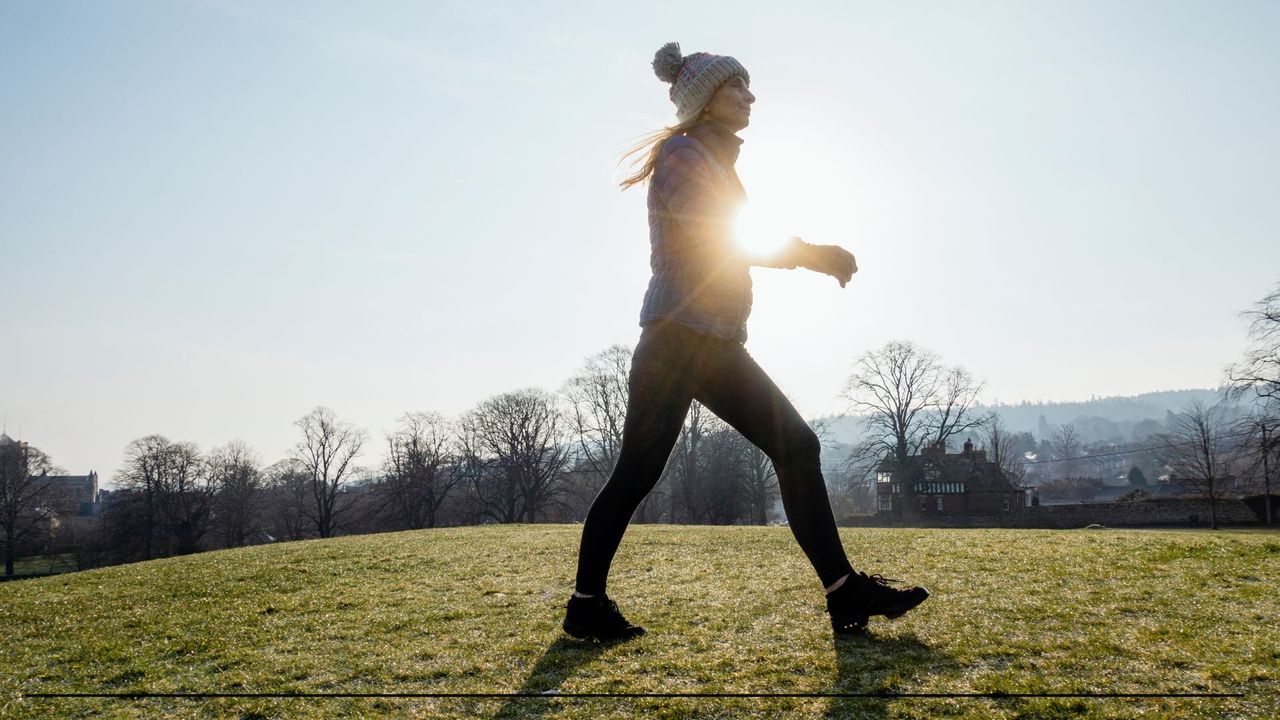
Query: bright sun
[759,231]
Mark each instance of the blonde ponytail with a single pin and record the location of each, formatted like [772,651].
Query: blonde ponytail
[644,153]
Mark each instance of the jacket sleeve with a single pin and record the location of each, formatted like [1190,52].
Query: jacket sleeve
[786,258]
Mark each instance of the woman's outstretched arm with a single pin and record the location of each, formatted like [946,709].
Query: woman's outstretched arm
[830,260]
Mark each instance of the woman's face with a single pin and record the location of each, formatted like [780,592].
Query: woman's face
[731,104]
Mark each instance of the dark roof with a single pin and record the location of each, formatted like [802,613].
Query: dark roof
[72,479]
[970,467]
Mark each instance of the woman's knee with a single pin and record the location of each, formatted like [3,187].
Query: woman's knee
[631,482]
[801,448]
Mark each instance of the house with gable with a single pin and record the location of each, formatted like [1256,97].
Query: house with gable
[936,483]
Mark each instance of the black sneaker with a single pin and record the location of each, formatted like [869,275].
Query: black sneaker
[598,617]
[861,596]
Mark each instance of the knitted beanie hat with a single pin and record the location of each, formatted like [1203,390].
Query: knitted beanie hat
[694,78]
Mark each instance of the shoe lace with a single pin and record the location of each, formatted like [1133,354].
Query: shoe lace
[613,615]
[882,580]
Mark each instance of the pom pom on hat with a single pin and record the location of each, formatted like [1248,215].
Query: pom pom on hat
[667,62]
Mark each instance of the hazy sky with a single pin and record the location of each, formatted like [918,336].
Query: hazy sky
[216,215]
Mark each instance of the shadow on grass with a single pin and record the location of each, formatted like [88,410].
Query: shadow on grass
[558,662]
[871,664]
[864,664]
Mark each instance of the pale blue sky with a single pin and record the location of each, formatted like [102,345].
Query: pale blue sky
[215,215]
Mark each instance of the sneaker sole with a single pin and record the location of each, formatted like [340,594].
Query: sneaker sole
[849,626]
[582,633]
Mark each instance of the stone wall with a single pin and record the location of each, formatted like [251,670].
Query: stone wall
[1177,512]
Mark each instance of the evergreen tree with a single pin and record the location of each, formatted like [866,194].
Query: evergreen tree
[1136,476]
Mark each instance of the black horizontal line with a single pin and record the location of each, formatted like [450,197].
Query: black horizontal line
[552,695]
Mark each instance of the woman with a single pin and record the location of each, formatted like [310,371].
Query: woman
[691,348]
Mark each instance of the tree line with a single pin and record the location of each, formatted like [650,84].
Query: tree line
[523,456]
[531,455]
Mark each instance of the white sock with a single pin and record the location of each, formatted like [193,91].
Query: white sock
[836,585]
[580,595]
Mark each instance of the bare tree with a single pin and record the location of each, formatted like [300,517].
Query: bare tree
[1002,449]
[716,476]
[1258,372]
[725,477]
[1257,377]
[125,529]
[327,452]
[597,397]
[515,450]
[894,388]
[759,485]
[237,474]
[175,489]
[186,496]
[703,468]
[907,399]
[288,499]
[23,485]
[683,472]
[1196,451]
[1066,448]
[1261,447]
[953,407]
[141,473]
[419,470]
[597,405]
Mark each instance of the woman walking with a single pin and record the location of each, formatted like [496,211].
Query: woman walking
[691,348]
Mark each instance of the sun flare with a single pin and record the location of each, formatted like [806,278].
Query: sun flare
[760,231]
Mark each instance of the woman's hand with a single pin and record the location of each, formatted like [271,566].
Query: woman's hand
[830,260]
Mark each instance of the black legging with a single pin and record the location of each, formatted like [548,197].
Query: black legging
[672,366]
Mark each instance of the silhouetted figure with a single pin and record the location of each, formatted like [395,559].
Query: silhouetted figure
[691,348]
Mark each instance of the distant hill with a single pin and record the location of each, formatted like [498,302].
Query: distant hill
[1118,409]
[1096,419]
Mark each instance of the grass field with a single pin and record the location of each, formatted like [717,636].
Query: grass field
[44,564]
[729,609]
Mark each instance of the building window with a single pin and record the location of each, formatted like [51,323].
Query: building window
[886,503]
[884,477]
[1006,504]
[939,498]
[897,488]
[924,504]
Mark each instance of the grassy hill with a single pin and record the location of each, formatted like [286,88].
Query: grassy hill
[736,609]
